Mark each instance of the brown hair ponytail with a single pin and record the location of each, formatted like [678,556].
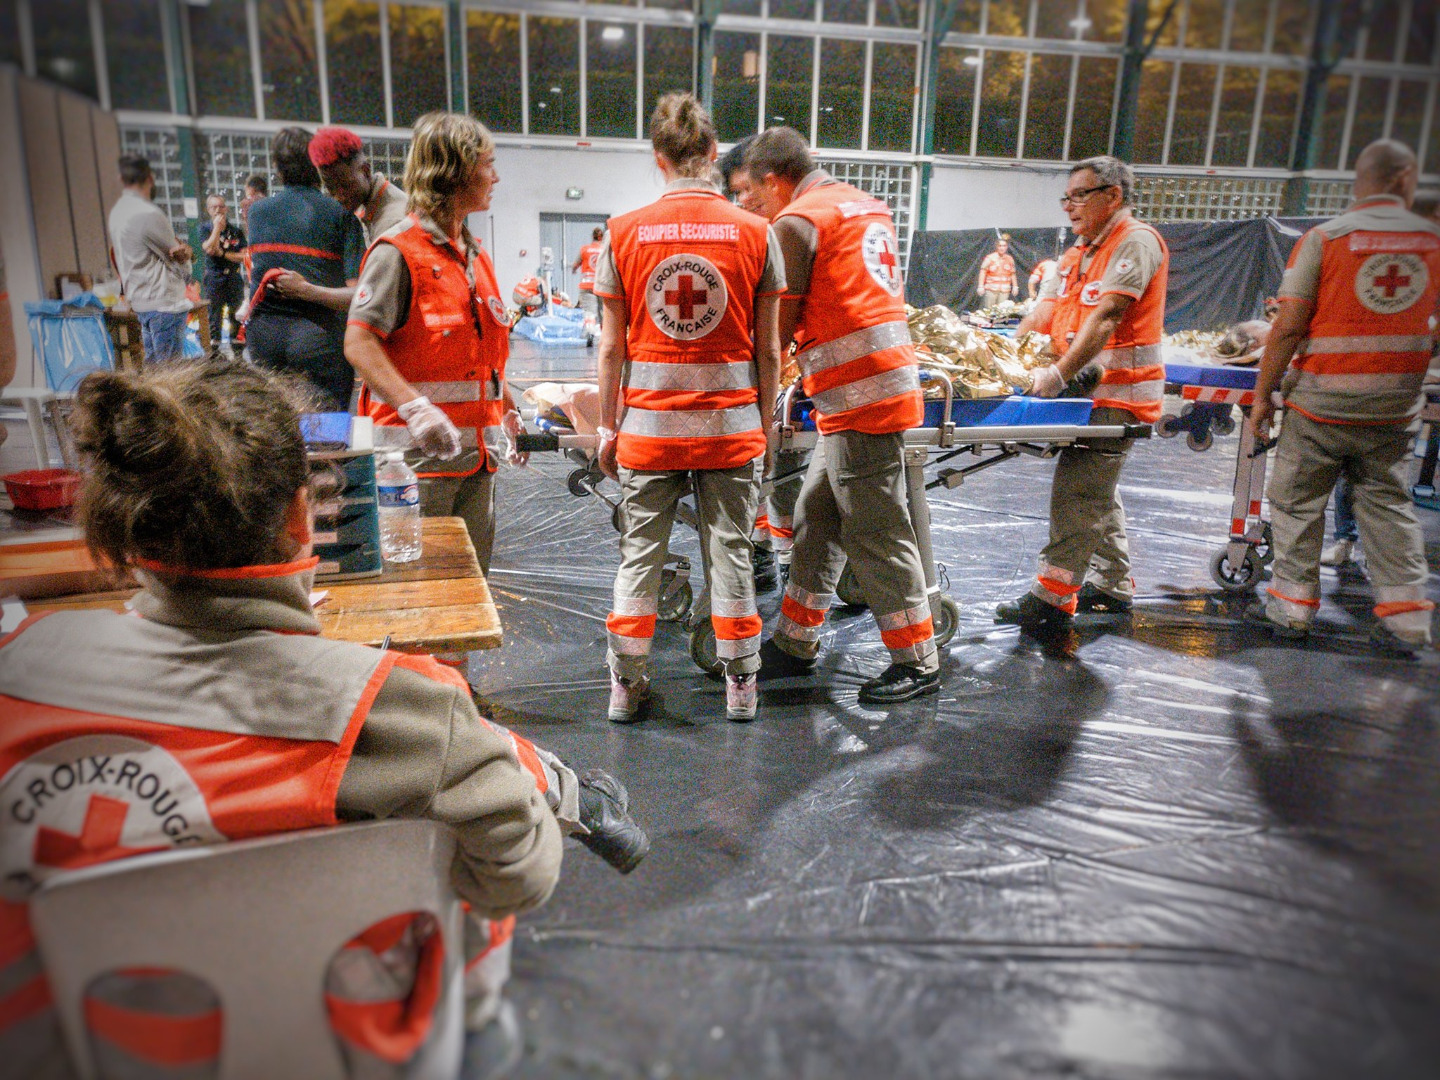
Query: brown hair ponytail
[683,132]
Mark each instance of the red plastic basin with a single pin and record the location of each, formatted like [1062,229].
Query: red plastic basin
[42,489]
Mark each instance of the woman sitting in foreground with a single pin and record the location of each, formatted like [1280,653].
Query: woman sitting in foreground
[250,723]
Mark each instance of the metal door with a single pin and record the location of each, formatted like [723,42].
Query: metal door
[565,235]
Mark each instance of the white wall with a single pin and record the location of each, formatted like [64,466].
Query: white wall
[533,181]
[990,197]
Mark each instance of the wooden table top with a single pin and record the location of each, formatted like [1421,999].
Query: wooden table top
[439,603]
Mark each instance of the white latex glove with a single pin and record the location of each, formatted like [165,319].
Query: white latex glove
[431,429]
[511,426]
[1048,382]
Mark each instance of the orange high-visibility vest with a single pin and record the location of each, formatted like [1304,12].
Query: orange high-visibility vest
[855,354]
[997,273]
[1134,377]
[589,255]
[1368,345]
[690,263]
[452,346]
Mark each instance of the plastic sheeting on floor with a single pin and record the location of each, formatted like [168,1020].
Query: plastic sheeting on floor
[1186,850]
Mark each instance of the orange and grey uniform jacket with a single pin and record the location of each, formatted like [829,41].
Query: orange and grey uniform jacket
[997,273]
[689,266]
[219,713]
[451,344]
[1373,277]
[856,359]
[1123,260]
[589,254]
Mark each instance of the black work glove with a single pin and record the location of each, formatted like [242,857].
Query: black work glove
[1083,381]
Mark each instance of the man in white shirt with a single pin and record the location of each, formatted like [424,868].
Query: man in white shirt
[153,264]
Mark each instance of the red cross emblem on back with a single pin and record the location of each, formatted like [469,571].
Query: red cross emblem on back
[887,257]
[1392,280]
[685,296]
[99,839]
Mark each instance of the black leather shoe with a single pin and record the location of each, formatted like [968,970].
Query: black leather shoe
[1093,600]
[776,663]
[605,810]
[762,564]
[899,682]
[1033,615]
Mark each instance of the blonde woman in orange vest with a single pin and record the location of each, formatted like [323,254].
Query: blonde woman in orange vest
[689,353]
[1357,315]
[428,331]
[998,280]
[1110,313]
[844,306]
[216,712]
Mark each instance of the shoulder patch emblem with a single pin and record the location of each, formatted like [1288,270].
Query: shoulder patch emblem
[497,310]
[363,296]
[1124,265]
[1090,294]
[1390,283]
[686,296]
[882,257]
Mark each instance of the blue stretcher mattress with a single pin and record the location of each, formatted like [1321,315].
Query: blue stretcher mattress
[1231,378]
[987,412]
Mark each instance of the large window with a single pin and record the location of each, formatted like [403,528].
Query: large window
[1279,106]
[9,35]
[352,50]
[846,11]
[842,94]
[789,67]
[955,100]
[1332,131]
[220,41]
[892,97]
[1008,17]
[737,85]
[288,64]
[1045,118]
[1002,85]
[554,53]
[493,48]
[135,56]
[1154,107]
[1236,114]
[1094,105]
[63,52]
[897,13]
[669,62]
[1369,122]
[418,74]
[1190,128]
[610,51]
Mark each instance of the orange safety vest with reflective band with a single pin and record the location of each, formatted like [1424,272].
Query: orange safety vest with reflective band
[84,782]
[1134,377]
[1368,345]
[452,346]
[589,255]
[690,263]
[997,273]
[856,358]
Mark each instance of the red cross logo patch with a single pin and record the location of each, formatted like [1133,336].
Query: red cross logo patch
[882,257]
[91,799]
[1391,282]
[686,296]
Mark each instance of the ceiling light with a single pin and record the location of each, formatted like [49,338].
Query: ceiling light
[1081,24]
[555,90]
[613,34]
[972,61]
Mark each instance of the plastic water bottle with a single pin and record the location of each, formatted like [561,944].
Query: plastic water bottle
[399,498]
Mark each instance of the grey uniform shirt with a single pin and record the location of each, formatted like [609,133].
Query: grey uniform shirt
[1135,262]
[772,275]
[143,238]
[386,210]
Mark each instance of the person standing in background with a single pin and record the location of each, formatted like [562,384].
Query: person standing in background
[257,187]
[340,156]
[997,274]
[221,285]
[1037,276]
[153,264]
[585,264]
[305,250]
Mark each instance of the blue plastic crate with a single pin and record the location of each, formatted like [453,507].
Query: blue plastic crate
[1231,378]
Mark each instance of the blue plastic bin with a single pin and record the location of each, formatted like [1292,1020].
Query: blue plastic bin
[71,339]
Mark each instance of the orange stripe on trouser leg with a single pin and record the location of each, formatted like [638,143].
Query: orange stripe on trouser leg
[156,1038]
[26,1001]
[637,626]
[1293,599]
[394,1029]
[905,636]
[525,751]
[799,613]
[732,629]
[1402,607]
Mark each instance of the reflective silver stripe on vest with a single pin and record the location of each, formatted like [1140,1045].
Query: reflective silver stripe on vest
[1384,382]
[853,346]
[735,376]
[1140,392]
[398,437]
[691,423]
[452,393]
[1130,356]
[1366,343]
[868,391]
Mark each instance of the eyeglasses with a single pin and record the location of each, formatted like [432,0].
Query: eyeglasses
[1081,195]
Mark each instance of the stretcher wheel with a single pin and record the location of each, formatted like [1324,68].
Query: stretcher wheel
[702,650]
[1265,549]
[848,588]
[576,482]
[1187,409]
[947,621]
[1202,441]
[1231,579]
[674,604]
[1223,423]
[1168,427]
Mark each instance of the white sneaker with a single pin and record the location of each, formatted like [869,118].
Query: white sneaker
[627,699]
[740,698]
[1340,553]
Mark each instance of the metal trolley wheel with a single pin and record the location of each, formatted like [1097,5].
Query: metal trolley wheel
[1223,422]
[1233,579]
[576,482]
[1202,441]
[947,620]
[848,588]
[702,650]
[674,604]
[1168,427]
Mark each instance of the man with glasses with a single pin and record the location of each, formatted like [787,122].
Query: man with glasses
[1108,311]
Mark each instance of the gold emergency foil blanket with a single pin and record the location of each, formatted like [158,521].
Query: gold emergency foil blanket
[978,364]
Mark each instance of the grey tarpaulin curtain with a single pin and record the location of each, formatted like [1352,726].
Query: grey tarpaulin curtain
[1220,271]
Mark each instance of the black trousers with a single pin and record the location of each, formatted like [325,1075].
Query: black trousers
[222,291]
[295,345]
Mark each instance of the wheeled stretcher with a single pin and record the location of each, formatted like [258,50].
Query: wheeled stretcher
[978,429]
[1210,395]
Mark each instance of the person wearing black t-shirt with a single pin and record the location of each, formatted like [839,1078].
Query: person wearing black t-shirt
[223,284]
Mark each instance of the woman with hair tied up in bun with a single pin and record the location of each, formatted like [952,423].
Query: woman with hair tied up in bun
[689,364]
[223,698]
